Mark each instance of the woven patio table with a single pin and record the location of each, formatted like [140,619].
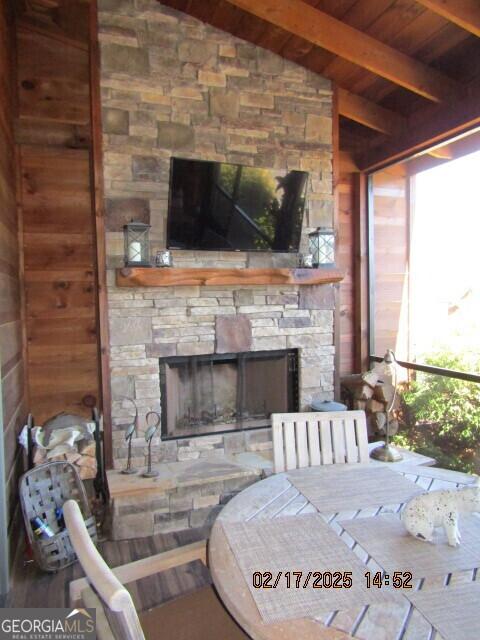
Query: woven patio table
[254,523]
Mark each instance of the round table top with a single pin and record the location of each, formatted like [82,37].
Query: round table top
[276,496]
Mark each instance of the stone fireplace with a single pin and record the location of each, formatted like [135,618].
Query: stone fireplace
[173,86]
[182,334]
[222,393]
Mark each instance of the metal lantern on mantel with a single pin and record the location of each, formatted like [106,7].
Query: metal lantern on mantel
[137,244]
[321,243]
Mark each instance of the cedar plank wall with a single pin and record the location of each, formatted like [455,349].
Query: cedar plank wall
[11,350]
[391,252]
[345,261]
[53,132]
[391,259]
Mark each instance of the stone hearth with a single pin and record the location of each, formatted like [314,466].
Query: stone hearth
[185,495]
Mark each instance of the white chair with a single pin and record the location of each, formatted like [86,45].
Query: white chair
[310,439]
[198,615]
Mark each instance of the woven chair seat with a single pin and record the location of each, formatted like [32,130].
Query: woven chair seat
[196,616]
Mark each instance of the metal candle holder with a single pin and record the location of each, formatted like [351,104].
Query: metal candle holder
[130,432]
[149,434]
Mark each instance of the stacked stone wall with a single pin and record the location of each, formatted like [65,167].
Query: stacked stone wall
[174,86]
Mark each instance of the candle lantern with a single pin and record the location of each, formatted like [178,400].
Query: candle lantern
[137,245]
[322,247]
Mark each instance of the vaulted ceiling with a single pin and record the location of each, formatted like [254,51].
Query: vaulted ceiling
[407,71]
[400,66]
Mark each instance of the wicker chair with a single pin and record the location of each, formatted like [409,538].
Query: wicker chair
[43,490]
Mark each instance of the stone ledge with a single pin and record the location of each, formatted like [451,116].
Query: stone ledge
[177,474]
[185,495]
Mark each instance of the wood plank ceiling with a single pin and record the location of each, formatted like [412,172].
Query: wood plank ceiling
[406,69]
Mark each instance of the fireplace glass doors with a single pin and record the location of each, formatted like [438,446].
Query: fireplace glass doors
[227,392]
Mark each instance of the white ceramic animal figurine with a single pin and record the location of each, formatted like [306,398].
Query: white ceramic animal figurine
[440,508]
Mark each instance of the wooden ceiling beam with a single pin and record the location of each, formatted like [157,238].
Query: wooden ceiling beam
[322,30]
[442,153]
[370,114]
[426,128]
[464,13]
[456,149]
[347,162]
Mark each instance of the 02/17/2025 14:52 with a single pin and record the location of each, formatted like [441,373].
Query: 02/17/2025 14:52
[398,579]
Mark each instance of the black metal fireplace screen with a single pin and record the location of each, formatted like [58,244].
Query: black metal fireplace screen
[226,392]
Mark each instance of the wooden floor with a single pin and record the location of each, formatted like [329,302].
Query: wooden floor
[34,588]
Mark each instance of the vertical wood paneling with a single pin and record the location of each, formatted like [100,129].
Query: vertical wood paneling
[336,224]
[346,257]
[57,92]
[99,210]
[391,251]
[11,349]
[60,280]
[56,193]
[391,278]
[360,278]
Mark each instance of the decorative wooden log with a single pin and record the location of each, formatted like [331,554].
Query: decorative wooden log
[168,277]
[87,449]
[40,456]
[356,380]
[374,406]
[72,457]
[86,461]
[86,473]
[384,392]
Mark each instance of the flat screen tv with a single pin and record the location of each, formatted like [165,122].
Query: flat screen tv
[228,207]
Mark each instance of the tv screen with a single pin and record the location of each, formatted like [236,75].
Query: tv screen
[229,207]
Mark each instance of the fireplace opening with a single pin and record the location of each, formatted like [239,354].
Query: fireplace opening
[228,392]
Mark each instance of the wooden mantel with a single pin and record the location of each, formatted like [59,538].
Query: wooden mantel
[172,276]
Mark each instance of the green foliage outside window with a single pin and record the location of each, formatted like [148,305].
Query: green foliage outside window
[442,415]
[257,193]
[261,194]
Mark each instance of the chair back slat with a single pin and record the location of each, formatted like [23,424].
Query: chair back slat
[278,450]
[351,448]
[314,443]
[326,442]
[362,439]
[338,440]
[302,444]
[290,448]
[310,439]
